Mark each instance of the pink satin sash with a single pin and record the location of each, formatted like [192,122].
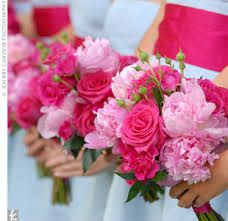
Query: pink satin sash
[50,20]
[202,35]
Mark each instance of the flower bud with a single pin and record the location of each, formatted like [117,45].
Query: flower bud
[144,56]
[142,90]
[136,97]
[138,68]
[167,60]
[121,102]
[180,56]
[182,66]
[158,56]
[56,78]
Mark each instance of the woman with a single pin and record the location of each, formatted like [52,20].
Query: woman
[200,29]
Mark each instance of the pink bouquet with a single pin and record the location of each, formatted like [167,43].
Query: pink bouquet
[73,87]
[164,126]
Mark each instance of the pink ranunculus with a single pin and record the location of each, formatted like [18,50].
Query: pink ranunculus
[53,93]
[186,158]
[83,120]
[95,55]
[66,130]
[142,128]
[95,87]
[143,164]
[19,48]
[187,113]
[171,78]
[28,112]
[122,82]
[108,123]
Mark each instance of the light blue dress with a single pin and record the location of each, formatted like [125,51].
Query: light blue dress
[125,25]
[220,203]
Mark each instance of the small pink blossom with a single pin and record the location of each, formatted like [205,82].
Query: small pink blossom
[97,55]
[66,130]
[185,158]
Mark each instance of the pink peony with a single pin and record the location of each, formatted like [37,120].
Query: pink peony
[19,48]
[142,128]
[54,117]
[95,87]
[84,119]
[53,93]
[108,123]
[66,131]
[143,164]
[187,113]
[97,55]
[28,112]
[171,78]
[185,158]
[122,82]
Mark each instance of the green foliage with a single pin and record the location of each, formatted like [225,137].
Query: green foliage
[134,190]
[126,176]
[75,145]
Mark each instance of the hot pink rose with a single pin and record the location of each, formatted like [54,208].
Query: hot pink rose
[142,128]
[53,93]
[66,130]
[171,78]
[28,112]
[95,87]
[84,119]
[143,164]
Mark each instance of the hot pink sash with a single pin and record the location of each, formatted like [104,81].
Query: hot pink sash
[50,20]
[202,35]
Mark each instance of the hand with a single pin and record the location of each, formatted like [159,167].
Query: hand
[201,193]
[222,78]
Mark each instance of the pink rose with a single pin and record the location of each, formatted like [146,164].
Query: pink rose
[186,158]
[108,124]
[95,87]
[171,78]
[96,55]
[143,164]
[66,130]
[142,128]
[84,119]
[28,112]
[51,92]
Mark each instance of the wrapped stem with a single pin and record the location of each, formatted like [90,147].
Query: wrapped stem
[43,171]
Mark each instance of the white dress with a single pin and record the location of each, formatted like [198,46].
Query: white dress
[125,25]
[220,203]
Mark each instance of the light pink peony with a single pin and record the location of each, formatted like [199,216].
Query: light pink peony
[144,164]
[97,55]
[19,48]
[53,117]
[142,128]
[108,123]
[187,113]
[95,87]
[185,158]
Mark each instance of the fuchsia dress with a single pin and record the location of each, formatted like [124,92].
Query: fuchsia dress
[200,29]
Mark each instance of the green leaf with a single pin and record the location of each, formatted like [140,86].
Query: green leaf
[160,175]
[75,145]
[87,160]
[126,176]
[134,191]
[157,96]
[16,128]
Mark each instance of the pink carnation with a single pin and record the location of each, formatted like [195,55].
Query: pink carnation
[187,113]
[185,158]
[19,48]
[97,55]
[95,87]
[28,112]
[142,128]
[108,124]
[143,164]
[51,92]
[66,131]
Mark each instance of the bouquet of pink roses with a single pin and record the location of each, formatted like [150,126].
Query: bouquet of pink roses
[75,84]
[164,126]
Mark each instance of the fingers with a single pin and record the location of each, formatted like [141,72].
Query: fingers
[187,199]
[68,174]
[30,138]
[199,201]
[36,147]
[178,189]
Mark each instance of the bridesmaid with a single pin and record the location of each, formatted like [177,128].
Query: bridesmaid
[125,25]
[200,29]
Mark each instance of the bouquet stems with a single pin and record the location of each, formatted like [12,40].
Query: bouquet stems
[43,171]
[61,192]
[206,213]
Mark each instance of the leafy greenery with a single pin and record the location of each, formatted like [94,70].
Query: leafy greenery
[134,190]
[157,96]
[75,145]
[126,176]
